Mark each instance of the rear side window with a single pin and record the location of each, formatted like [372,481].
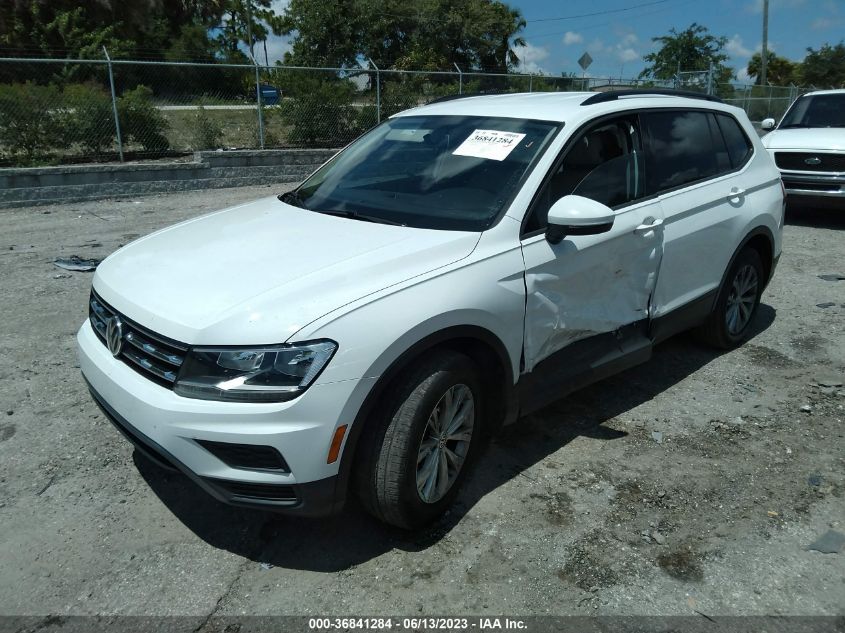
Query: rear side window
[682,148]
[739,147]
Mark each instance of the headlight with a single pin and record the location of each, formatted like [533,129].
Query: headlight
[261,374]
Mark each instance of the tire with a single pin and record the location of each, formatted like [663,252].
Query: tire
[729,324]
[387,466]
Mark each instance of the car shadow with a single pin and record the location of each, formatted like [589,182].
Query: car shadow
[822,214]
[340,542]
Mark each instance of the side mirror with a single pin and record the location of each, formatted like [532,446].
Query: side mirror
[577,215]
[768,124]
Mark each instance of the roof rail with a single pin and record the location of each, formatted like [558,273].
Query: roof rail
[465,95]
[613,95]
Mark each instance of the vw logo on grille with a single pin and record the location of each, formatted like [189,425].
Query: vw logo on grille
[814,160]
[114,335]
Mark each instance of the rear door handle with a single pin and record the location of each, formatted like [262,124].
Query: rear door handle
[736,193]
[648,224]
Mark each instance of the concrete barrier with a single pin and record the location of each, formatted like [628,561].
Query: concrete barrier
[207,170]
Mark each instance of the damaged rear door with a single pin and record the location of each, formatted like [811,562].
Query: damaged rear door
[590,285]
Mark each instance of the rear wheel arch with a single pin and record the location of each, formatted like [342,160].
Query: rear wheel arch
[761,240]
[480,345]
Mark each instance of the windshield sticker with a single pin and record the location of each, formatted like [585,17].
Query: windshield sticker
[492,144]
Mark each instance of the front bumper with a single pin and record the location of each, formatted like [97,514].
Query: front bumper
[822,185]
[166,427]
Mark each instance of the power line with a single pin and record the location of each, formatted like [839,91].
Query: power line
[606,12]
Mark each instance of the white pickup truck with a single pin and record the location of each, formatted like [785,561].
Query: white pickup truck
[809,146]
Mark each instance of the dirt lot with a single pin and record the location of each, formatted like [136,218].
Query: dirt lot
[693,484]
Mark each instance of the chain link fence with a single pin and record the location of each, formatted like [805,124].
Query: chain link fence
[71,111]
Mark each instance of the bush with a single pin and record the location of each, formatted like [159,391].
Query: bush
[320,113]
[89,118]
[141,121]
[206,132]
[31,121]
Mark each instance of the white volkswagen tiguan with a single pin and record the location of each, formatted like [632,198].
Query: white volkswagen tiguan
[458,266]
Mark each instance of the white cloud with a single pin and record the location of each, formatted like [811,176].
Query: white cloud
[571,37]
[742,74]
[629,40]
[276,48]
[627,55]
[820,24]
[736,48]
[530,57]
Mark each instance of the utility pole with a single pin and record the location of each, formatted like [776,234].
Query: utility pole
[764,55]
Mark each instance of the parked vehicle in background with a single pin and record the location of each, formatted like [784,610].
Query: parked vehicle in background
[460,265]
[809,146]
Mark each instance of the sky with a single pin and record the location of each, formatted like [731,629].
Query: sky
[617,33]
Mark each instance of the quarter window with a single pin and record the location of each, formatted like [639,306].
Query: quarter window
[739,147]
[604,164]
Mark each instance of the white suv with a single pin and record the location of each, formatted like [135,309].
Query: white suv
[460,265]
[809,146]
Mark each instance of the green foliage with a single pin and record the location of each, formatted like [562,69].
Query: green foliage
[824,68]
[429,35]
[780,71]
[31,121]
[51,32]
[694,48]
[89,118]
[206,132]
[141,121]
[320,113]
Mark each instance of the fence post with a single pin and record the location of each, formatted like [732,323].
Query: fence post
[114,106]
[710,79]
[530,83]
[769,106]
[460,79]
[378,90]
[258,105]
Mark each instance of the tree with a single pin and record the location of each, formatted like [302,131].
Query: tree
[824,67]
[427,34]
[241,20]
[780,71]
[693,49]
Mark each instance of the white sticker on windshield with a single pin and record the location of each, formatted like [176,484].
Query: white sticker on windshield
[492,144]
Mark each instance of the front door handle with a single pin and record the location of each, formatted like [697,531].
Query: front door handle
[649,224]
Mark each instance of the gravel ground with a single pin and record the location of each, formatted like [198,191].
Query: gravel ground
[692,484]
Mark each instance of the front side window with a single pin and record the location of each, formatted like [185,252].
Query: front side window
[816,111]
[438,172]
[683,147]
[603,164]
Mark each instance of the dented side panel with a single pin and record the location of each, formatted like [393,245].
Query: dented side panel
[590,284]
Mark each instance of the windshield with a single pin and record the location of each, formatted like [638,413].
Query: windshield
[439,172]
[816,111]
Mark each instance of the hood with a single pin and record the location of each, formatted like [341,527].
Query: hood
[819,138]
[259,272]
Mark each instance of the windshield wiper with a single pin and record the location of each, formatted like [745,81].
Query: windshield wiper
[793,125]
[355,215]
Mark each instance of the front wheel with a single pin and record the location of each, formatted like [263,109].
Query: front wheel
[427,434]
[736,304]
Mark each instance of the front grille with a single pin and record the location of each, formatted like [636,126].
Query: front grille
[255,492]
[249,456]
[795,161]
[151,355]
